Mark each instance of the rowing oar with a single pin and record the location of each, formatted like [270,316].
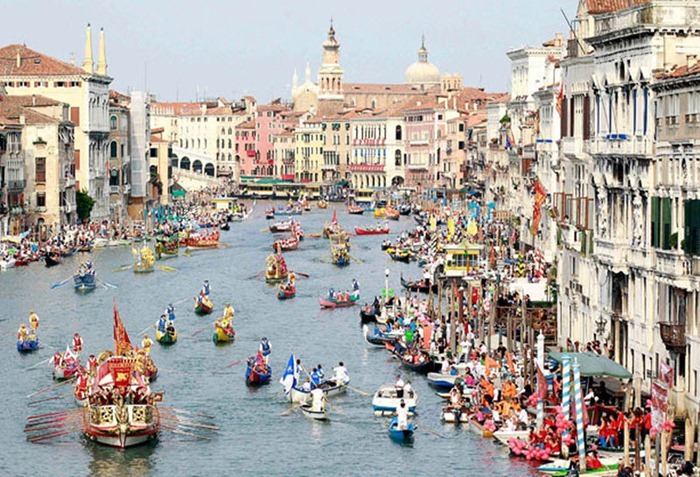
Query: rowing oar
[54,414]
[167,269]
[334,409]
[52,435]
[430,431]
[49,399]
[305,275]
[65,420]
[188,423]
[39,363]
[61,283]
[277,395]
[172,429]
[121,269]
[47,425]
[182,411]
[106,284]
[360,391]
[171,371]
[293,408]
[230,365]
[51,387]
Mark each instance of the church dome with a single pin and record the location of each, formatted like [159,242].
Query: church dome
[422,73]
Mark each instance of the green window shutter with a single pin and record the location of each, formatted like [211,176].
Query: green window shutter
[655,221]
[583,242]
[692,227]
[666,223]
[590,247]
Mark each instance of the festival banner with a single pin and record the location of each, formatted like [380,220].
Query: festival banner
[122,343]
[120,369]
[666,374]
[659,405]
[540,198]
[541,384]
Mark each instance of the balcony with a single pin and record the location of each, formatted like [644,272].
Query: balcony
[673,336]
[572,146]
[70,181]
[695,266]
[16,186]
[671,263]
[114,189]
[610,252]
[620,144]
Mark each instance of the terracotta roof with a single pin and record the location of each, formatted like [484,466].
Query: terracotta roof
[608,6]
[155,138]
[33,63]
[246,125]
[12,107]
[178,109]
[680,72]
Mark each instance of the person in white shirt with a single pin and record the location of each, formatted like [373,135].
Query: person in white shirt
[408,389]
[341,374]
[523,417]
[399,387]
[445,367]
[402,416]
[317,400]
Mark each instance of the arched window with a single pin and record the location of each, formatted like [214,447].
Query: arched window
[229,144]
[230,131]
[398,133]
[113,149]
[113,123]
[397,158]
[374,103]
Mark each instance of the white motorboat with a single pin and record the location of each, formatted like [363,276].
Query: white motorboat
[504,436]
[386,401]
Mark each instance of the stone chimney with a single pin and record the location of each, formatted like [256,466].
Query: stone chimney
[19,60]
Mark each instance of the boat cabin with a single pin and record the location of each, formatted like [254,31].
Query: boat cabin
[461,259]
[222,203]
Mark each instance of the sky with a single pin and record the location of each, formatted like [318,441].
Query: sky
[179,50]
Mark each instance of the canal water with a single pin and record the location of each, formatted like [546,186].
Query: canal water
[254,439]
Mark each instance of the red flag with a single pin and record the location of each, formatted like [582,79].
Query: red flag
[334,221]
[560,98]
[122,343]
[540,197]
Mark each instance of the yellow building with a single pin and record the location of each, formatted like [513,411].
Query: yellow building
[86,90]
[309,152]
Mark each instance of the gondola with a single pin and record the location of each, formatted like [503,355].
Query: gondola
[404,435]
[203,306]
[368,314]
[285,294]
[52,260]
[355,210]
[254,376]
[371,230]
[400,255]
[328,302]
[283,226]
[374,336]
[422,286]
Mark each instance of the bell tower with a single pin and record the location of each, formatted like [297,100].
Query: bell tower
[330,75]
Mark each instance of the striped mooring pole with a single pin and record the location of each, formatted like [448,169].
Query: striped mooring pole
[565,395]
[578,403]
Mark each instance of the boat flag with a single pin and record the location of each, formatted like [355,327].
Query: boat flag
[334,220]
[122,343]
[288,378]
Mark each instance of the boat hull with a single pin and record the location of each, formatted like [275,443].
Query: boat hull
[202,308]
[386,401]
[286,295]
[307,411]
[27,346]
[328,303]
[361,231]
[401,435]
[166,339]
[254,378]
[330,389]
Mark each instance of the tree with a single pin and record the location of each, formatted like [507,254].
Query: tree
[84,204]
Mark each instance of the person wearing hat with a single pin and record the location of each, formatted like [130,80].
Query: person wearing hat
[146,344]
[206,288]
[22,332]
[33,321]
[170,312]
[229,311]
[77,343]
[265,349]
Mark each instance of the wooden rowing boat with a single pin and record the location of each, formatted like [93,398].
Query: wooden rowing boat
[307,411]
[401,435]
[203,305]
[328,302]
[371,230]
[166,338]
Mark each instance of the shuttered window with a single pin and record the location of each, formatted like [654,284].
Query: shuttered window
[666,223]
[692,227]
[655,220]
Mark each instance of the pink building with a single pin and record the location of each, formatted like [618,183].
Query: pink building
[267,123]
[425,130]
[245,147]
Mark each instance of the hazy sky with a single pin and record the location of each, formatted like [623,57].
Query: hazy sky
[232,48]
